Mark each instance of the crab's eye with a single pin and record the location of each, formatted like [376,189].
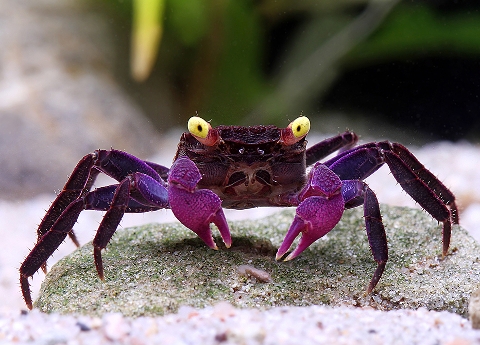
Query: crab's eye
[202,131]
[198,127]
[296,130]
[300,126]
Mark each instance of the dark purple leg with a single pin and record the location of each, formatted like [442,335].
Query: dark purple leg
[424,175]
[154,196]
[148,191]
[100,199]
[47,244]
[422,192]
[119,164]
[141,179]
[91,180]
[321,150]
[360,162]
[357,163]
[110,222]
[72,190]
[80,181]
[160,169]
[356,193]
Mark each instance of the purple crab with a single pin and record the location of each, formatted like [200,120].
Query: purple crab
[242,167]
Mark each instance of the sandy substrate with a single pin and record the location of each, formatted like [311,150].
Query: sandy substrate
[224,324]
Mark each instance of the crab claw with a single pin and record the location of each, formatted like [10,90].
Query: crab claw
[196,209]
[315,217]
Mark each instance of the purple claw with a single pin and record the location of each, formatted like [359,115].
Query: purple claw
[316,216]
[183,199]
[318,213]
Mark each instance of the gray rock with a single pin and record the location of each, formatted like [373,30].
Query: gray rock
[155,269]
[58,98]
[474,309]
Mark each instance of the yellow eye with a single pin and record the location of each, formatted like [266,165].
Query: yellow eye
[202,131]
[198,127]
[300,126]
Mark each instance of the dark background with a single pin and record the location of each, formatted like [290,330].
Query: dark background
[417,71]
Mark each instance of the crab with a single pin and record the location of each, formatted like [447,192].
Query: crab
[240,167]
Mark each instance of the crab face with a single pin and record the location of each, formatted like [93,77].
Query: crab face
[247,166]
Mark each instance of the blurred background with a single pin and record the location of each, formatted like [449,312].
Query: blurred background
[86,74]
[77,75]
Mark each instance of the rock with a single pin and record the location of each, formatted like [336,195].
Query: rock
[155,269]
[58,97]
[474,309]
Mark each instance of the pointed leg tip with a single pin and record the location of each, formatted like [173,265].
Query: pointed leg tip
[25,286]
[444,252]
[376,276]
[100,274]
[368,291]
[97,255]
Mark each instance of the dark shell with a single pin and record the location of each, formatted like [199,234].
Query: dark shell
[253,135]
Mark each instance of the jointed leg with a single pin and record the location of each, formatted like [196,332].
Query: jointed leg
[425,193]
[356,193]
[415,179]
[412,163]
[110,223]
[148,193]
[80,181]
[47,244]
[328,146]
[152,194]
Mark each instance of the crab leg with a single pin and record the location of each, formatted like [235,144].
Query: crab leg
[100,199]
[356,193]
[414,178]
[409,160]
[80,181]
[47,244]
[110,223]
[140,178]
[358,163]
[343,141]
[71,191]
[195,208]
[160,169]
[153,194]
[421,193]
